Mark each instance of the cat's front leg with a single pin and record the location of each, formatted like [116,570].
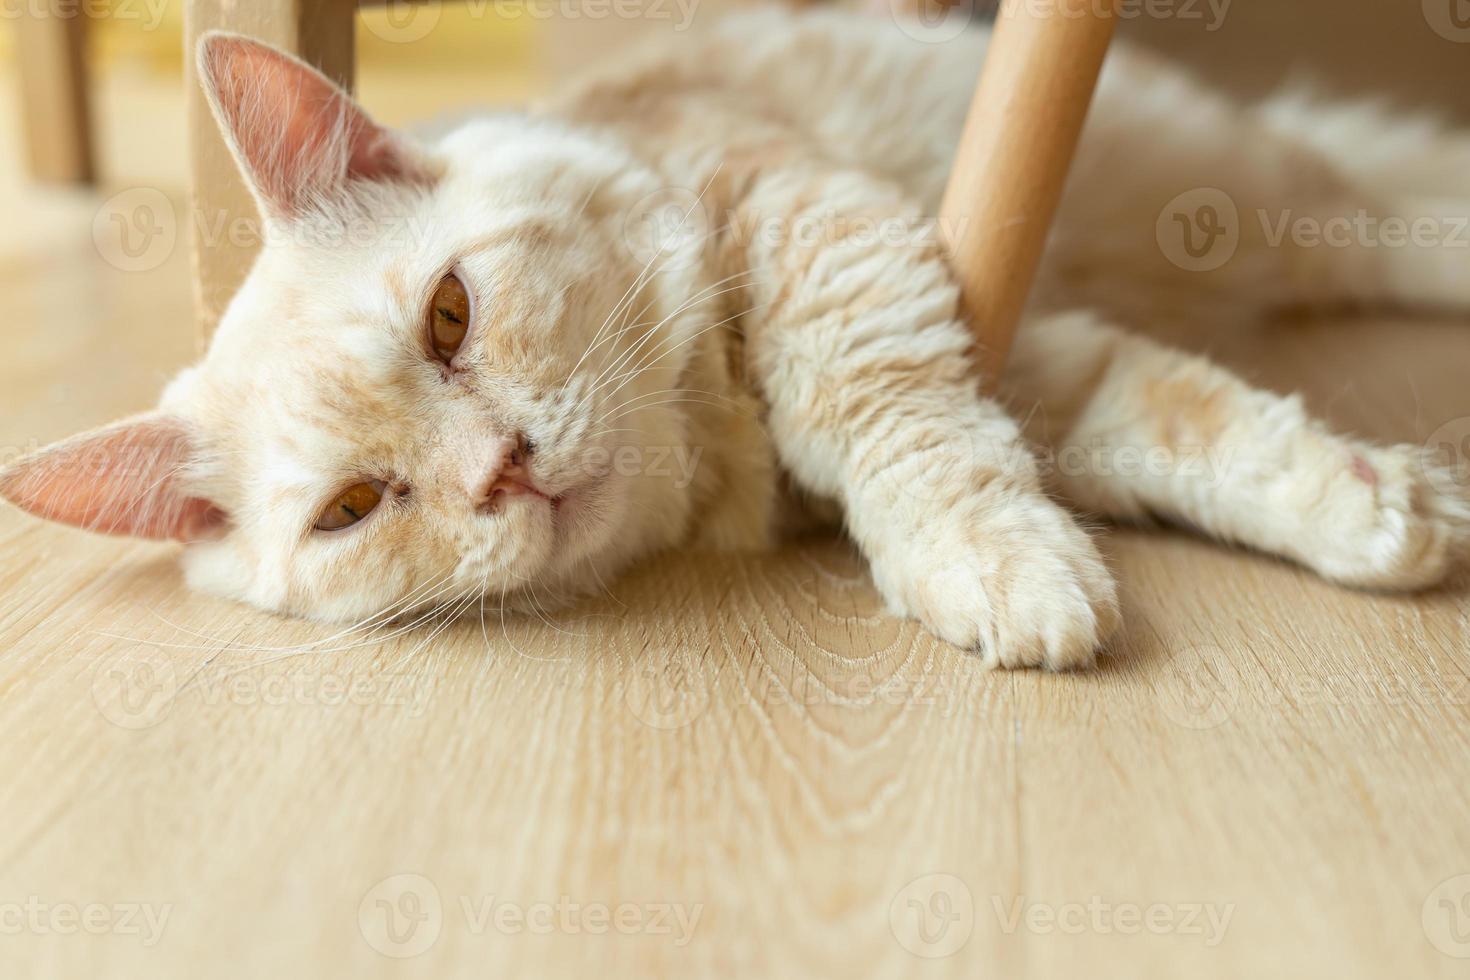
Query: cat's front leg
[860,353]
[978,554]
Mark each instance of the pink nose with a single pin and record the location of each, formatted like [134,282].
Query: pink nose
[509,473]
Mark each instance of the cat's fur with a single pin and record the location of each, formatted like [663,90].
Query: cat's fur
[799,331]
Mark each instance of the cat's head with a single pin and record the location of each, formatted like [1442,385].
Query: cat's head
[438,380]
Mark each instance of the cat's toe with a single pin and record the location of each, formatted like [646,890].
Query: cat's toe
[1399,521]
[1023,586]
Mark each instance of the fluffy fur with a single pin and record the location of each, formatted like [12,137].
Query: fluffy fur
[707,286]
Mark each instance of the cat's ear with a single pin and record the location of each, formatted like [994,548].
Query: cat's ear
[297,136]
[124,478]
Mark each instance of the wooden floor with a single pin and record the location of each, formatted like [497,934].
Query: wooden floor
[729,767]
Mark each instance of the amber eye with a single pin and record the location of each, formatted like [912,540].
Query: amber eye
[449,317]
[351,506]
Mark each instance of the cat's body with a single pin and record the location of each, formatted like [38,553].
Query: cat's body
[791,339]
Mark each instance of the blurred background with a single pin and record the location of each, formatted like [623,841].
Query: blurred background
[1415,52]
[62,297]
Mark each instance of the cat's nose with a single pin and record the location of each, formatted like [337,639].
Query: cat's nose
[509,472]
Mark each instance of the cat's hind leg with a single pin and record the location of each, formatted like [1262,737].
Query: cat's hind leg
[1138,430]
[1397,229]
[1186,210]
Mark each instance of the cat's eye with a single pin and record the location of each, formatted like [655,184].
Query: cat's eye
[449,317]
[351,506]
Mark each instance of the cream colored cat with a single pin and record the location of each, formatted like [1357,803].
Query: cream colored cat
[496,365]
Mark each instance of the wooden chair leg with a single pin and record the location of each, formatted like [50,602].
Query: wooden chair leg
[1013,159]
[224,224]
[53,76]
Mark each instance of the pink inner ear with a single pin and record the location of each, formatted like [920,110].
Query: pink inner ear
[299,136]
[126,478]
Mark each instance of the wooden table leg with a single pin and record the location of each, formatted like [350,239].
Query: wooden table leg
[1013,158]
[224,224]
[51,52]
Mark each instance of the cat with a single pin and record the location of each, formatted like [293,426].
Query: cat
[460,369]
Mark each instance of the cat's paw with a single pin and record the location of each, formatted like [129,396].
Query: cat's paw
[1391,518]
[1011,577]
